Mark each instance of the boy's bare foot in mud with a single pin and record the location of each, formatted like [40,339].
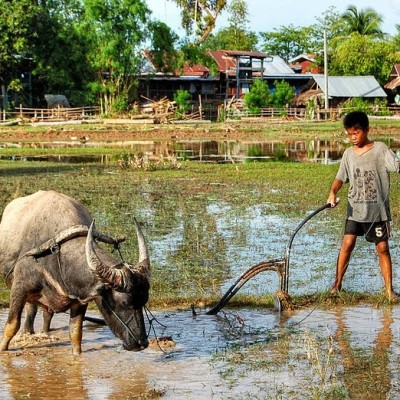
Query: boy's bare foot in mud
[393,297]
[334,291]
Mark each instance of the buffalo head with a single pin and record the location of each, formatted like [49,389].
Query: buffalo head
[124,292]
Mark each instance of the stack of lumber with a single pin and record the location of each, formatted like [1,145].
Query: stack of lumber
[163,109]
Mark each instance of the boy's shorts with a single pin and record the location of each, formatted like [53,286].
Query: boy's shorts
[374,232]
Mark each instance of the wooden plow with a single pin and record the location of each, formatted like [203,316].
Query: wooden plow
[280,266]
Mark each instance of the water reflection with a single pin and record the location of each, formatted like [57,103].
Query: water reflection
[366,358]
[325,151]
[268,360]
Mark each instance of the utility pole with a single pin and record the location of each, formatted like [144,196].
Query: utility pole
[326,71]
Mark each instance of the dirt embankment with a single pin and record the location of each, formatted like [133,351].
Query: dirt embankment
[249,130]
[126,130]
[129,131]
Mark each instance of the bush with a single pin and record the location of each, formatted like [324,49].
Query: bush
[182,98]
[379,107]
[283,95]
[257,98]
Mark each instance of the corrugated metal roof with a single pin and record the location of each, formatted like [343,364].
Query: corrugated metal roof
[239,53]
[273,65]
[277,66]
[350,86]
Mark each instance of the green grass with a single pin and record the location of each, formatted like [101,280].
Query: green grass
[165,198]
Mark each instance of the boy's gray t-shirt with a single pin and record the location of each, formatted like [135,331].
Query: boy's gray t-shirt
[368,176]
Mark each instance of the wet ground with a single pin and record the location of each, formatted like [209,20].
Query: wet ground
[355,350]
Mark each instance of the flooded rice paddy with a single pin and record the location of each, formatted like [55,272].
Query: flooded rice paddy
[316,352]
[248,354]
[309,353]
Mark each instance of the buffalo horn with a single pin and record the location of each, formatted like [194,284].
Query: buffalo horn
[118,278]
[144,259]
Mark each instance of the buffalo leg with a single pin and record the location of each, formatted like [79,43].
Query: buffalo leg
[30,315]
[47,317]
[77,314]
[17,303]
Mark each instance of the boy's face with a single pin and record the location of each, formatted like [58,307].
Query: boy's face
[358,136]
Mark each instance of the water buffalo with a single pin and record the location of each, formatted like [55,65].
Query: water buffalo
[48,256]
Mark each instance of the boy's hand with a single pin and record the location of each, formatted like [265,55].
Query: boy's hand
[333,201]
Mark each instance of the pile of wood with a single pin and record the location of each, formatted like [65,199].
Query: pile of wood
[164,111]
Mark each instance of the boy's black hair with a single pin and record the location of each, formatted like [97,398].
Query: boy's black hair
[356,119]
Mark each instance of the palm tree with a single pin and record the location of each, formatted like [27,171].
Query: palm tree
[365,22]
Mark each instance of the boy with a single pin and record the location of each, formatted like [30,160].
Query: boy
[365,166]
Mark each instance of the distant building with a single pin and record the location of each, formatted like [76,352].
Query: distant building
[304,64]
[393,86]
[340,89]
[236,70]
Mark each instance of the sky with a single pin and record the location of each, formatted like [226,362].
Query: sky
[267,15]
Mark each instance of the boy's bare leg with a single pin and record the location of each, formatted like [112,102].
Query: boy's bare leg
[385,263]
[348,243]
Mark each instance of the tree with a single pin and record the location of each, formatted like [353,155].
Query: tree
[365,22]
[16,21]
[199,16]
[164,55]
[257,97]
[117,30]
[364,55]
[283,95]
[288,41]
[396,37]
[236,36]
[182,99]
[59,50]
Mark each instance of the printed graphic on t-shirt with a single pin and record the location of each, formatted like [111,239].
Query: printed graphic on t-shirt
[365,188]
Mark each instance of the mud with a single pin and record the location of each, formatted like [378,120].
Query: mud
[196,360]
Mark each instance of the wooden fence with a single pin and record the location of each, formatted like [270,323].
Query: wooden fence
[303,113]
[53,114]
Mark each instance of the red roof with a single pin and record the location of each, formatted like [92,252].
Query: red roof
[195,70]
[226,59]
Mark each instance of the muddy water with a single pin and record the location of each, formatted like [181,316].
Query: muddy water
[358,347]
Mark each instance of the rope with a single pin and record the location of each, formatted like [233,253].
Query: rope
[151,326]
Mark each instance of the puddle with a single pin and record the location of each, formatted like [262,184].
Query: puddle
[364,344]
[252,235]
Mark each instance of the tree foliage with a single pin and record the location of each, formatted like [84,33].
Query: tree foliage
[182,98]
[59,48]
[362,55]
[257,97]
[283,94]
[164,54]
[16,21]
[199,16]
[365,22]
[236,36]
[288,41]
[117,30]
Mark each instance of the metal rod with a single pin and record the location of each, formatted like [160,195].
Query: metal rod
[285,286]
